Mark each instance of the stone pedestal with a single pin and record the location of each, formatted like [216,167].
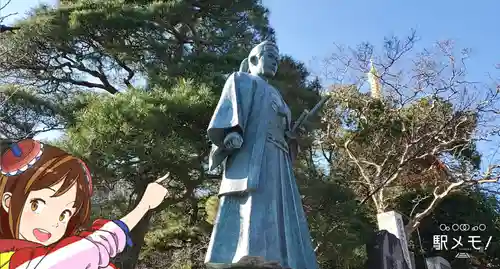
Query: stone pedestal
[392,222]
[256,263]
[437,263]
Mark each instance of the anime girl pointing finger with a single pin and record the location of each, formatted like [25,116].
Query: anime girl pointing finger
[45,199]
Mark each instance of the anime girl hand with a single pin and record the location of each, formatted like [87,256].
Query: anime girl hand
[153,196]
[155,193]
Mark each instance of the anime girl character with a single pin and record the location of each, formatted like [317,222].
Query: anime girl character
[45,202]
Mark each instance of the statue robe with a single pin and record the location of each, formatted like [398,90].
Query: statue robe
[260,209]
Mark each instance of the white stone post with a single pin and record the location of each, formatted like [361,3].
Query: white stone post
[412,258]
[437,263]
[393,222]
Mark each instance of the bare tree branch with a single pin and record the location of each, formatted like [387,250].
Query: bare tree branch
[439,196]
[425,130]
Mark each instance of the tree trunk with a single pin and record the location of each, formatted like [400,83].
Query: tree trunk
[129,258]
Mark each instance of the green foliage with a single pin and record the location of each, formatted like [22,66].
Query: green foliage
[292,79]
[176,238]
[339,225]
[23,112]
[211,207]
[145,133]
[118,41]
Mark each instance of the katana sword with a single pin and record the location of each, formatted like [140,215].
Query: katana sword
[306,114]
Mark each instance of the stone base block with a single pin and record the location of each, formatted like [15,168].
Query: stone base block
[250,262]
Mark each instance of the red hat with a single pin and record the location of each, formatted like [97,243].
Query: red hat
[20,157]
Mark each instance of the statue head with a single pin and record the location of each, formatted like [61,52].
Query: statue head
[262,61]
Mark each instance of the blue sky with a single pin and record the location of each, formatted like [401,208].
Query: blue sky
[307,31]
[21,7]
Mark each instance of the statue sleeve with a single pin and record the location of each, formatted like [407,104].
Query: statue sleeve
[231,113]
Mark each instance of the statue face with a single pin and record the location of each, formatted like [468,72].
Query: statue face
[265,62]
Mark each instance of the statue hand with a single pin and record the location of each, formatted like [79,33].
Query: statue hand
[233,141]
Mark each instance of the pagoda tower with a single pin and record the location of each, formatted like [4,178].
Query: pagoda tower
[374,80]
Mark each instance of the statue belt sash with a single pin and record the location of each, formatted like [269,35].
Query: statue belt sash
[280,143]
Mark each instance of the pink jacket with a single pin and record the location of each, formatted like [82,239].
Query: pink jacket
[91,250]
